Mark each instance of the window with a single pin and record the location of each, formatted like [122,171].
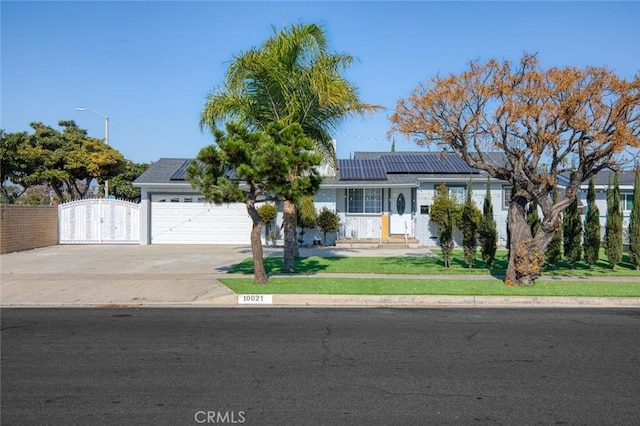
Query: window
[626,201]
[506,197]
[457,193]
[175,200]
[364,200]
[188,200]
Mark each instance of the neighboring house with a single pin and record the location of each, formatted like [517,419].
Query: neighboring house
[378,195]
[626,180]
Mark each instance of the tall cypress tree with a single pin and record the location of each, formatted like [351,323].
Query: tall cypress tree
[592,227]
[554,250]
[613,232]
[488,229]
[443,213]
[469,227]
[634,224]
[572,232]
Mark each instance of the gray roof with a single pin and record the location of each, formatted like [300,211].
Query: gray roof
[625,178]
[161,171]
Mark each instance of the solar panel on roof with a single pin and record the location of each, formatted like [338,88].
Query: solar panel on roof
[181,173]
[361,170]
[373,170]
[425,163]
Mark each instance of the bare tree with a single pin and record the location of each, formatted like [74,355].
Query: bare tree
[539,120]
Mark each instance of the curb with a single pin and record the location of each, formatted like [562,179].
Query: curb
[364,301]
[456,301]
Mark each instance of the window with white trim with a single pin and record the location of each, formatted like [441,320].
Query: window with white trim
[626,201]
[364,200]
[457,193]
[506,197]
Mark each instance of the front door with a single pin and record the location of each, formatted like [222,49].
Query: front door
[400,221]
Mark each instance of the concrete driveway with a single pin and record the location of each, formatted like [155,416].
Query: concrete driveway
[85,275]
[187,275]
[151,275]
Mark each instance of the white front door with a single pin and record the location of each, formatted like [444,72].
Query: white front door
[400,211]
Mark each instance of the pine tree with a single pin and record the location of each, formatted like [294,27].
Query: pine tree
[613,231]
[554,250]
[572,233]
[592,227]
[488,229]
[469,228]
[634,224]
[533,218]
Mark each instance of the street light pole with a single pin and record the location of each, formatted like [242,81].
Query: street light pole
[106,139]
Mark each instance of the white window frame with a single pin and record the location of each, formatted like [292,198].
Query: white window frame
[506,196]
[371,199]
[452,193]
[626,198]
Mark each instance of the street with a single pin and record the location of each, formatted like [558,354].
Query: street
[320,366]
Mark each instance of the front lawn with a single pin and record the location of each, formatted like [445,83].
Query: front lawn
[383,286]
[430,266]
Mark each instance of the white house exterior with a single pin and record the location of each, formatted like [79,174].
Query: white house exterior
[377,195]
[172,212]
[626,180]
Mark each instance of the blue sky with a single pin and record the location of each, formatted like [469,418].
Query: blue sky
[149,65]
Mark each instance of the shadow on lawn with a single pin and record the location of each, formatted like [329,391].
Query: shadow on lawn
[273,265]
[435,266]
[601,268]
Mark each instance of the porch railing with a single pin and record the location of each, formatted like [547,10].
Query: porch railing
[360,227]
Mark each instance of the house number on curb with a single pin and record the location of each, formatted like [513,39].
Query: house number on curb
[255,299]
[400,204]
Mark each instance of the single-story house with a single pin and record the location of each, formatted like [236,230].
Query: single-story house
[377,195]
[626,180]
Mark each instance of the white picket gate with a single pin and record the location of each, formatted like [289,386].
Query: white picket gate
[99,221]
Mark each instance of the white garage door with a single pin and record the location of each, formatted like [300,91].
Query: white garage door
[189,220]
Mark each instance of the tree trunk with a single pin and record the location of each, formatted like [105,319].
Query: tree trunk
[259,273]
[526,257]
[518,271]
[290,246]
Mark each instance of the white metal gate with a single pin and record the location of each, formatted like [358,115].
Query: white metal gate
[99,221]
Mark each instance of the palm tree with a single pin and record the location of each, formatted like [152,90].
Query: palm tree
[291,78]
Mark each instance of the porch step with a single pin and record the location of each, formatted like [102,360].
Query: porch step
[387,243]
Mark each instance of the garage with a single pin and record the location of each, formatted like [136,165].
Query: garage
[188,219]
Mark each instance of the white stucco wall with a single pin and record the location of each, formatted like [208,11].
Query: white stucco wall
[428,231]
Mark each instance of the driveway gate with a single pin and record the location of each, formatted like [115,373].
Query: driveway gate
[99,221]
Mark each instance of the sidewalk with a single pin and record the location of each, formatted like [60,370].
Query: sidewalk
[187,276]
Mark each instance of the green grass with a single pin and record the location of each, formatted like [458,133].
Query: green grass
[307,285]
[430,266]
[491,286]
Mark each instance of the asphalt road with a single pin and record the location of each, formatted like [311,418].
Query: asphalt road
[320,367]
